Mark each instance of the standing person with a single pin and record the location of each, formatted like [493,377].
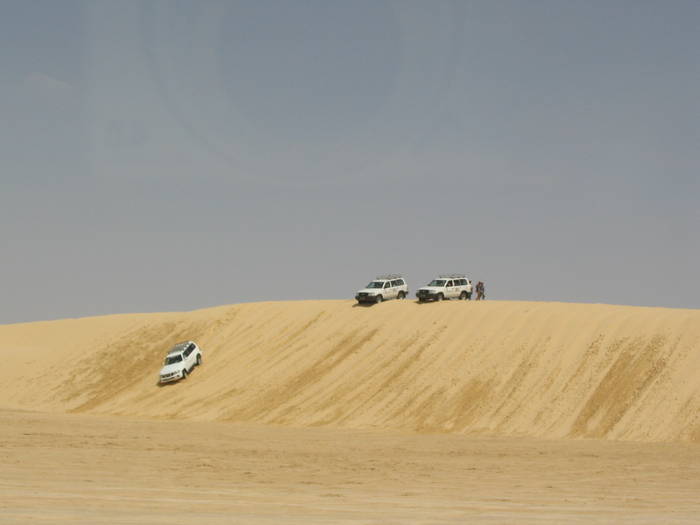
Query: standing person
[469,290]
[480,291]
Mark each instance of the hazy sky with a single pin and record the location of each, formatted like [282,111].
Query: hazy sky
[171,155]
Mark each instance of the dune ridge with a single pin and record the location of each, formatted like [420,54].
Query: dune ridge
[548,370]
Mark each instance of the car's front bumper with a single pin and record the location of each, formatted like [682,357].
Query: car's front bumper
[168,378]
[424,295]
[366,298]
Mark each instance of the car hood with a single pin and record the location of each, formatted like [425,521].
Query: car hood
[175,367]
[371,291]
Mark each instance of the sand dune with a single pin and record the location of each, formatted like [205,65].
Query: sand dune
[494,368]
[87,436]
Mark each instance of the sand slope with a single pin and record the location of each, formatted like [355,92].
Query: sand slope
[508,368]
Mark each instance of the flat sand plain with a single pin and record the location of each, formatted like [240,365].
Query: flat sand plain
[323,412]
[96,469]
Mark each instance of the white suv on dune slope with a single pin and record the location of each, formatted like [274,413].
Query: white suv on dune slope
[180,361]
[382,288]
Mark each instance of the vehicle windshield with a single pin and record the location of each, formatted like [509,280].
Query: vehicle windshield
[172,359]
[375,284]
[437,282]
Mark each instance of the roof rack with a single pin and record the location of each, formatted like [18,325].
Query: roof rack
[177,347]
[452,276]
[389,276]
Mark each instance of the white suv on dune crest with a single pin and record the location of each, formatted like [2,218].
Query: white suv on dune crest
[382,288]
[180,361]
[449,286]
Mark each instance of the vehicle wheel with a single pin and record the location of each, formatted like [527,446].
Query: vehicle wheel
[379,299]
[440,297]
[463,296]
[199,359]
[184,374]
[402,295]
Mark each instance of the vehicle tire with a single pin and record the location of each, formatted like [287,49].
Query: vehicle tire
[379,299]
[184,374]
[401,295]
[440,297]
[463,296]
[199,359]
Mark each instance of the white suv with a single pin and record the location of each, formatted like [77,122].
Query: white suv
[448,286]
[180,361]
[382,288]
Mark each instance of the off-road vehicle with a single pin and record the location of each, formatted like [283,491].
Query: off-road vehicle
[448,286]
[384,287]
[180,361]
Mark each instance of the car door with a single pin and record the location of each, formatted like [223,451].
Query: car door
[450,289]
[387,291]
[189,357]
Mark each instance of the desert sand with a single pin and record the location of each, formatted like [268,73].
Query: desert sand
[325,412]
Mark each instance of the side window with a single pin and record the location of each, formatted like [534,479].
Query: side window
[462,282]
[387,284]
[396,283]
[449,283]
[189,350]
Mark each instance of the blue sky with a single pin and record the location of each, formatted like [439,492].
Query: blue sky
[173,155]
